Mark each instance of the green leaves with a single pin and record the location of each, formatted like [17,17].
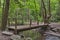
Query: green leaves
[31,5]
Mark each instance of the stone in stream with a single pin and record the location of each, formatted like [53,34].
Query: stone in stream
[28,38]
[17,37]
[7,33]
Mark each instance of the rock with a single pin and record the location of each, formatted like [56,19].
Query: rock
[15,37]
[7,33]
[28,38]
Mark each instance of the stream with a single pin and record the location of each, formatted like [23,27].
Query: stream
[51,37]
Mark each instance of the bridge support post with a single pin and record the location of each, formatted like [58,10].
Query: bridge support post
[30,22]
[42,37]
[42,32]
[15,26]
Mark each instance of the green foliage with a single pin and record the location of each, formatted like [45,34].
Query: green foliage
[21,7]
[55,7]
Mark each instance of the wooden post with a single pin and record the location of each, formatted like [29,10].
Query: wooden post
[15,26]
[37,22]
[42,32]
[42,37]
[22,16]
[30,22]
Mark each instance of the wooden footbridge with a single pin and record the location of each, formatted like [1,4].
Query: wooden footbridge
[26,27]
[33,26]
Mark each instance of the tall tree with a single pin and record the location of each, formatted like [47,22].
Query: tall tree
[5,15]
[44,12]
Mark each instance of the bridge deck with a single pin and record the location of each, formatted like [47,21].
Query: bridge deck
[26,27]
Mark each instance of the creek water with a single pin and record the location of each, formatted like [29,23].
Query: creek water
[51,37]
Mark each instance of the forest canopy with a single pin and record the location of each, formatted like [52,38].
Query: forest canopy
[31,8]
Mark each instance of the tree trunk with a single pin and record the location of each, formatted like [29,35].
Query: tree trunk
[36,15]
[49,11]
[30,19]
[5,15]
[44,17]
[44,12]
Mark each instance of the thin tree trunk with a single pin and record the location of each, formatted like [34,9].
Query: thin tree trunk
[29,17]
[49,11]
[5,15]
[22,16]
[0,3]
[36,15]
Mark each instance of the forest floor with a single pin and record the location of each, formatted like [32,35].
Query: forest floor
[4,37]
